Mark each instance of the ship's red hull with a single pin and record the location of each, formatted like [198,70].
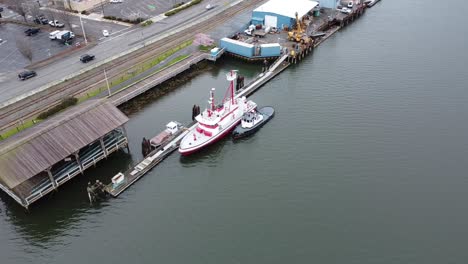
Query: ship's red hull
[213,140]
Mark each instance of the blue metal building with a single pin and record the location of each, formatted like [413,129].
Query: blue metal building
[281,13]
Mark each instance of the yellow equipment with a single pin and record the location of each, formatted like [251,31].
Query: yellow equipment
[297,33]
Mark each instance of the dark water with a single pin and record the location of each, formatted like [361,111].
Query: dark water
[364,162]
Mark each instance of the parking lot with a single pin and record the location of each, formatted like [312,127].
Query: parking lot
[42,47]
[132,9]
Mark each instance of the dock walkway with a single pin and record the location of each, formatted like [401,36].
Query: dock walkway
[278,66]
[155,79]
[153,159]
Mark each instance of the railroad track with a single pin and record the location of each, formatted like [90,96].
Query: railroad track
[30,107]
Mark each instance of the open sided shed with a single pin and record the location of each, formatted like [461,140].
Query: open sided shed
[281,13]
[41,158]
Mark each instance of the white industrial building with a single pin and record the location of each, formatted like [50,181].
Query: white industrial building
[281,13]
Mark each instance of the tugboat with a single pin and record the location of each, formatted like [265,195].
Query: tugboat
[252,121]
[216,121]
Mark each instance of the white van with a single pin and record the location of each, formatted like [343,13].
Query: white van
[53,35]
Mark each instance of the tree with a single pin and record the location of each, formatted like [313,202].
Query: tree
[66,19]
[25,48]
[34,10]
[19,6]
[50,14]
[68,4]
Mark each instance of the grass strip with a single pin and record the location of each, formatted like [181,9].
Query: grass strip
[18,129]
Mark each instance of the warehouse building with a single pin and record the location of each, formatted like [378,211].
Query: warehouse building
[250,51]
[281,13]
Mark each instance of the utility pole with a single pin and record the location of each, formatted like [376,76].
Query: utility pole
[102,6]
[107,82]
[84,34]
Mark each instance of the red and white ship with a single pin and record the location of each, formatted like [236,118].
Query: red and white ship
[216,121]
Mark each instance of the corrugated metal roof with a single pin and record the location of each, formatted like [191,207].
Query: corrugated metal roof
[34,150]
[287,8]
[240,43]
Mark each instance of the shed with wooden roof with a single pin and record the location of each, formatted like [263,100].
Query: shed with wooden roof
[38,160]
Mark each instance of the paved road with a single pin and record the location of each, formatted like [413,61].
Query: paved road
[10,87]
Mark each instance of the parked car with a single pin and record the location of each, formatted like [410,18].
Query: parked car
[31,31]
[208,7]
[350,4]
[40,19]
[56,23]
[26,75]
[105,33]
[86,57]
[116,1]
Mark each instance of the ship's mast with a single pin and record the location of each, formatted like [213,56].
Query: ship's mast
[211,102]
[231,76]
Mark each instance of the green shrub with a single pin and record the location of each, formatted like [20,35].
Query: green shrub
[67,102]
[180,8]
[206,48]
[147,23]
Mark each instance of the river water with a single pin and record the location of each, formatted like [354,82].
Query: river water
[364,162]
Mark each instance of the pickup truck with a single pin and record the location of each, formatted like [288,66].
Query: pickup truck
[31,31]
[56,23]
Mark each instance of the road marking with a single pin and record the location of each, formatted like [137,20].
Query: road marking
[109,39]
[7,56]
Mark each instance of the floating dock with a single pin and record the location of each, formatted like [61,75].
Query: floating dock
[134,174]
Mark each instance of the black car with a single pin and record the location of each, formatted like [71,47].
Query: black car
[31,31]
[26,75]
[86,57]
[40,19]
